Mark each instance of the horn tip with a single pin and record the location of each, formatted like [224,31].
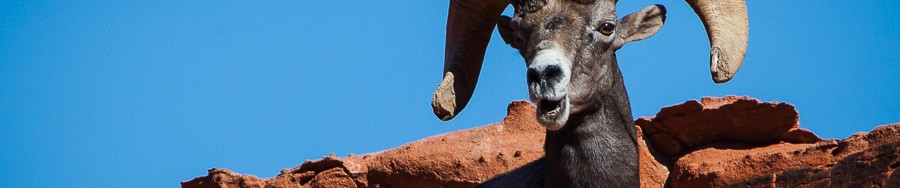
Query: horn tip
[443,111]
[721,80]
[443,102]
[720,67]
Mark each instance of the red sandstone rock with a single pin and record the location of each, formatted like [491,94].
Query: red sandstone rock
[224,178]
[686,126]
[730,141]
[458,159]
[739,141]
[867,160]
[654,167]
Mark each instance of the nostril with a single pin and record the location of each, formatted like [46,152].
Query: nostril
[533,75]
[551,71]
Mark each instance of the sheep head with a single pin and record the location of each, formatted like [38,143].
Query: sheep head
[576,35]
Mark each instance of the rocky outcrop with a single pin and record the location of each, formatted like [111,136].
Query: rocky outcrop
[458,159]
[863,160]
[739,141]
[730,141]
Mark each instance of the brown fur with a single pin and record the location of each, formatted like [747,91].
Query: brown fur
[597,145]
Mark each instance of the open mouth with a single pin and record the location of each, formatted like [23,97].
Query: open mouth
[553,114]
[551,109]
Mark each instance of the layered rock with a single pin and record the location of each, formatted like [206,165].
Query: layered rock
[739,141]
[458,159]
[730,141]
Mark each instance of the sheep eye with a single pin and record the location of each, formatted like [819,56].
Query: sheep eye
[607,28]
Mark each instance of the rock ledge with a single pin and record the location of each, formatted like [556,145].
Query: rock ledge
[730,141]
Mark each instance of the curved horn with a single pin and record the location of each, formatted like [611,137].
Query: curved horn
[728,30]
[469,27]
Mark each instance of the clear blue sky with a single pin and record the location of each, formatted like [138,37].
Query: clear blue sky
[151,93]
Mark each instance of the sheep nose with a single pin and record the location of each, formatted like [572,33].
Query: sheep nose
[543,73]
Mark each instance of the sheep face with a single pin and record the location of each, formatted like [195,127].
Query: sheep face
[569,49]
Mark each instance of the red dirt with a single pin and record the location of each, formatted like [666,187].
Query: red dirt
[730,141]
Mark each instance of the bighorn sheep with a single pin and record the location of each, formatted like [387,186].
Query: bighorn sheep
[569,48]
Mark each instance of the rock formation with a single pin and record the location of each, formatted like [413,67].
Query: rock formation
[715,142]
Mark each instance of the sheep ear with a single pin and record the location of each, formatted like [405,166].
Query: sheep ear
[505,29]
[641,24]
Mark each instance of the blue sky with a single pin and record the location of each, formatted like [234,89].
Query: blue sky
[151,93]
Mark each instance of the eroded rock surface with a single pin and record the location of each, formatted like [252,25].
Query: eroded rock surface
[729,141]
[458,159]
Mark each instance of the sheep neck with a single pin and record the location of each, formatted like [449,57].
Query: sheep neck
[595,148]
